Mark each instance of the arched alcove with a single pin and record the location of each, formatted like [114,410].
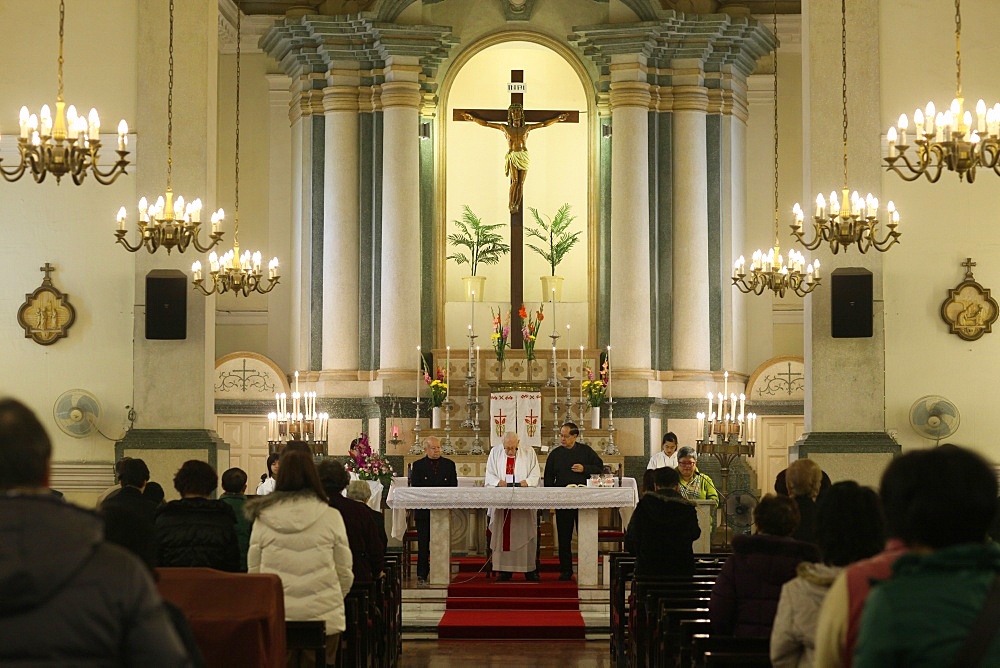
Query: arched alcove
[472,173]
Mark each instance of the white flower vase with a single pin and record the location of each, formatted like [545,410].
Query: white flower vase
[595,417]
[435,417]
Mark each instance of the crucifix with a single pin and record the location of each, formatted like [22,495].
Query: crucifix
[516,128]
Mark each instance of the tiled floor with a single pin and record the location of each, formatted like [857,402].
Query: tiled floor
[504,654]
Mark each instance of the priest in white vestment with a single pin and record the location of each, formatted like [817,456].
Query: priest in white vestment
[514,539]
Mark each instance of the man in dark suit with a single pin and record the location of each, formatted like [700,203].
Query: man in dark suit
[129,516]
[431,471]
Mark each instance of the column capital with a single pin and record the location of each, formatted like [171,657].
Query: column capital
[305,103]
[629,94]
[340,98]
[400,94]
[690,98]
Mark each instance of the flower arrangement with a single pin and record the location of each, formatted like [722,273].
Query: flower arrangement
[368,465]
[439,388]
[501,333]
[529,328]
[595,389]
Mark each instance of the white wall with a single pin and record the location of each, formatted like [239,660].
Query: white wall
[70,226]
[943,223]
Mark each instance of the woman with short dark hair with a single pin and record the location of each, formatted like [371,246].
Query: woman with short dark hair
[197,531]
[745,596]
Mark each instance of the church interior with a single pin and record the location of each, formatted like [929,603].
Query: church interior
[689,130]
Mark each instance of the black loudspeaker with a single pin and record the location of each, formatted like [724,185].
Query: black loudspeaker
[851,303]
[166,304]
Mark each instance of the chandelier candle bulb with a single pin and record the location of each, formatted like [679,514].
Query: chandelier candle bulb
[891,137]
[743,401]
[710,396]
[701,425]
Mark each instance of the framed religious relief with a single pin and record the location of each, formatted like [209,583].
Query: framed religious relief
[969,310]
[46,314]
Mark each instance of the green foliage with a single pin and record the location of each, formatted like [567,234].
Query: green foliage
[553,233]
[484,244]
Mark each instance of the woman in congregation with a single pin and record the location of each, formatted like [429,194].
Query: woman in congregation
[804,479]
[849,527]
[667,456]
[196,531]
[300,538]
[267,480]
[694,483]
[745,596]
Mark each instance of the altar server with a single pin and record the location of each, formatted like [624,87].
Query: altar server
[514,540]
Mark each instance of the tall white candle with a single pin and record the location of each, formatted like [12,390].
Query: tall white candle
[420,361]
[743,403]
[725,384]
[581,374]
[569,361]
[709,403]
[277,402]
[296,381]
[447,370]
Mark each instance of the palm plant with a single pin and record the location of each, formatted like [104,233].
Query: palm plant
[484,243]
[553,233]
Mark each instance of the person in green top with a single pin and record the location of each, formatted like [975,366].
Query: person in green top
[234,487]
[930,612]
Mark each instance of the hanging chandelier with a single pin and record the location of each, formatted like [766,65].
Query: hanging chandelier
[239,274]
[855,220]
[947,140]
[767,270]
[67,143]
[168,222]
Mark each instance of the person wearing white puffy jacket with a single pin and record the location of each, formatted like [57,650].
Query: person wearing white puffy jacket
[300,538]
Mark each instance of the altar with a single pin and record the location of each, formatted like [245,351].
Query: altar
[442,500]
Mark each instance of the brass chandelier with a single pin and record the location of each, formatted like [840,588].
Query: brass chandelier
[169,223]
[947,140]
[855,219]
[767,270]
[239,274]
[67,143]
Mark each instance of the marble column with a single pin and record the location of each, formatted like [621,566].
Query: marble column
[630,258]
[401,269]
[691,343]
[341,237]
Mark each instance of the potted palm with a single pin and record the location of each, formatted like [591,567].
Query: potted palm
[553,233]
[484,245]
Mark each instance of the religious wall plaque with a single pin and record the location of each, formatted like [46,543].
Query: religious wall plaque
[969,310]
[46,314]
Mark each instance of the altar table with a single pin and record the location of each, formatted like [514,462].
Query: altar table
[442,500]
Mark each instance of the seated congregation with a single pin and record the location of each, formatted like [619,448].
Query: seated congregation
[299,574]
[834,574]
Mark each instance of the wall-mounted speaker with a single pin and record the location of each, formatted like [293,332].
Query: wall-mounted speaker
[851,314]
[166,304]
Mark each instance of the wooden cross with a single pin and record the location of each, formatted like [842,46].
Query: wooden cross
[539,118]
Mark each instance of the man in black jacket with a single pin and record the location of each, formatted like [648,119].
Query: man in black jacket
[431,471]
[570,464]
[129,516]
[663,528]
[69,597]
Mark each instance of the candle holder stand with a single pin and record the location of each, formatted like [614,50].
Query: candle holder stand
[553,380]
[416,448]
[446,448]
[477,442]
[611,448]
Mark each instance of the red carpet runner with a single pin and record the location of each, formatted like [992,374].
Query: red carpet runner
[478,608]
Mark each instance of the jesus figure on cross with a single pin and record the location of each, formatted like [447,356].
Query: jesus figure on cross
[516,161]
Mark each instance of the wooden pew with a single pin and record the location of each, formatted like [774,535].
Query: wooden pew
[645,610]
[689,629]
[622,569]
[709,650]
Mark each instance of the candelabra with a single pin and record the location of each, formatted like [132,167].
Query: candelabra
[477,442]
[729,436]
[947,140]
[66,144]
[303,423]
[856,220]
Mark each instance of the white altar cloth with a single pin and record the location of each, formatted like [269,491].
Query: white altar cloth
[442,500]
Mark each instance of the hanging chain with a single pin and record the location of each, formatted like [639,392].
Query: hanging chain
[958,48]
[170,98]
[62,19]
[843,87]
[775,30]
[236,222]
